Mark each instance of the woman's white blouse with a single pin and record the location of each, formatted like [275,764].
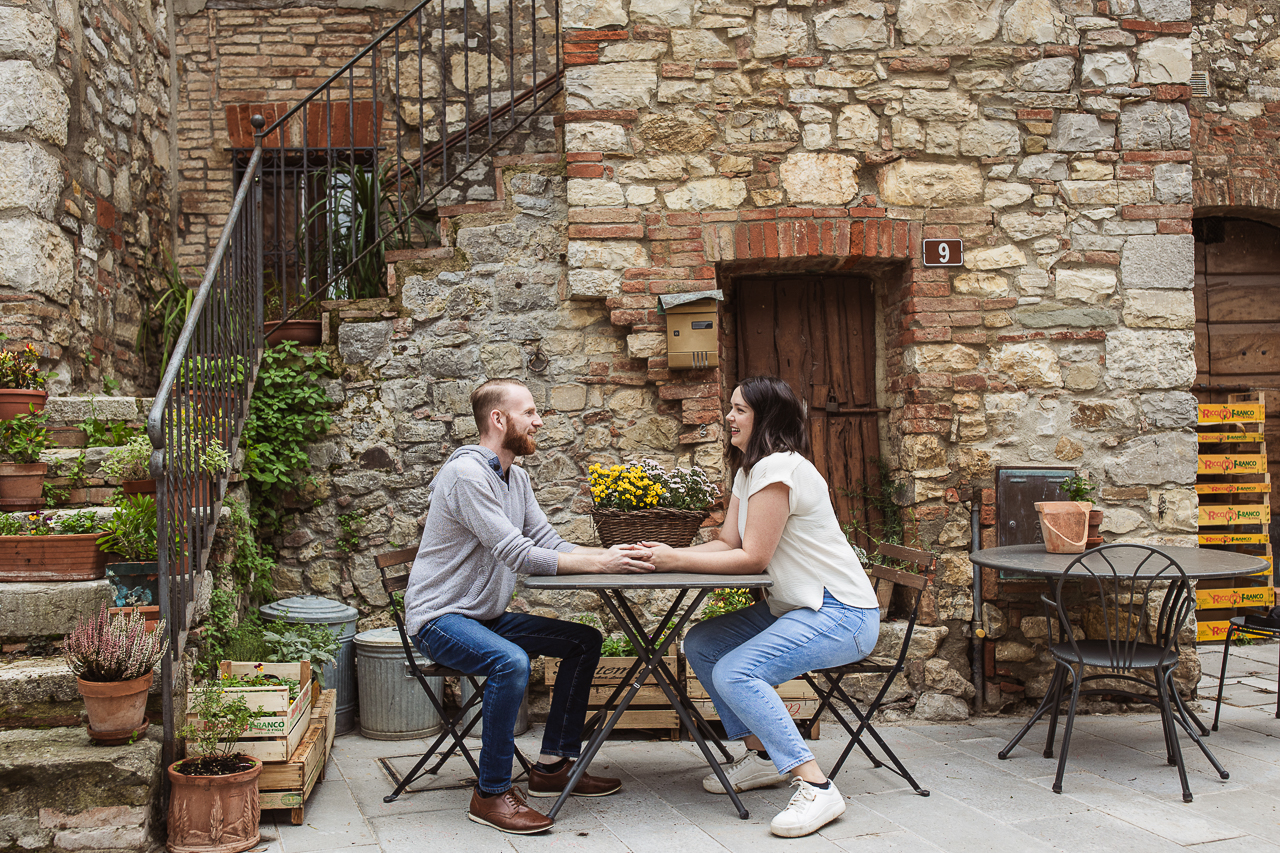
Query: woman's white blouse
[813,553]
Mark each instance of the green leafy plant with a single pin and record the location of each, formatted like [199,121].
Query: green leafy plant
[114,648]
[54,495]
[287,413]
[1078,488]
[21,369]
[23,437]
[888,521]
[212,371]
[84,521]
[721,601]
[107,433]
[110,386]
[350,525]
[261,679]
[130,461]
[168,300]
[48,524]
[221,719]
[131,530]
[360,207]
[299,642]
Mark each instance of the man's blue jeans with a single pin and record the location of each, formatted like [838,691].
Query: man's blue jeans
[499,649]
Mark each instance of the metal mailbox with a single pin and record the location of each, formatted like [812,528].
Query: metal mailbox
[693,339]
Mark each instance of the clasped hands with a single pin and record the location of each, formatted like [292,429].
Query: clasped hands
[638,557]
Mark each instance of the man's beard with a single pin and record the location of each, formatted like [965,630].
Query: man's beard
[519,445]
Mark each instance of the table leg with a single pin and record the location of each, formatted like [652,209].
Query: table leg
[674,695]
[699,720]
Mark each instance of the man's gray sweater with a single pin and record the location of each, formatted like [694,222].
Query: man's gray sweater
[480,531]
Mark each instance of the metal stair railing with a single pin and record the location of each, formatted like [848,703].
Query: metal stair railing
[200,409]
[355,168]
[203,398]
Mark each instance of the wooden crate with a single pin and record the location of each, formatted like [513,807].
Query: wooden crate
[288,784]
[796,694]
[1234,491]
[649,709]
[276,736]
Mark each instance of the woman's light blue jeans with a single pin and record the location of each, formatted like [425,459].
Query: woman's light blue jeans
[741,656]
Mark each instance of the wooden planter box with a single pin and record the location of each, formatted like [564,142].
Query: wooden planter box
[287,784]
[73,557]
[648,710]
[797,695]
[275,736]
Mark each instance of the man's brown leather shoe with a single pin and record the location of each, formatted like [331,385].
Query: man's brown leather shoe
[507,812]
[551,784]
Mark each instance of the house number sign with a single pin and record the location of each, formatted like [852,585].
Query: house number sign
[943,253]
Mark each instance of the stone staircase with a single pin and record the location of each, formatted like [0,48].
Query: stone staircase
[58,791]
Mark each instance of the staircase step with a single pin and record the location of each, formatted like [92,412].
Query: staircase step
[61,793]
[72,411]
[38,692]
[48,608]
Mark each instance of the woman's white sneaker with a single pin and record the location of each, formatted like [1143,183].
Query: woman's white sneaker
[749,771]
[810,809]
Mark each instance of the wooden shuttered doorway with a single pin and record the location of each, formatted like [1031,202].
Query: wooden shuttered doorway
[1237,300]
[818,334]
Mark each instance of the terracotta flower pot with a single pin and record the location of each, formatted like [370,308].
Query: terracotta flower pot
[22,486]
[115,708]
[57,557]
[1095,534]
[305,332]
[139,487]
[21,401]
[213,814]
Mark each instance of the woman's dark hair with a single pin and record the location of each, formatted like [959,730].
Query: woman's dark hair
[780,422]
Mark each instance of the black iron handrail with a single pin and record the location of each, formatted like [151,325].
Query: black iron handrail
[198,416]
[369,127]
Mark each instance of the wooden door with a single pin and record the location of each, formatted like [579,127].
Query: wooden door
[818,334]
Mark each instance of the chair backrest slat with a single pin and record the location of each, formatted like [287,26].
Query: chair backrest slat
[395,558]
[897,576]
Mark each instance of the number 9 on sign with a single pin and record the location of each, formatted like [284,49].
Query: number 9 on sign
[943,253]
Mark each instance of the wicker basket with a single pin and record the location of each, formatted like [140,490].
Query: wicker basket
[674,527]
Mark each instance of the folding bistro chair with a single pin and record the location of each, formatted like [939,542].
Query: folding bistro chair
[834,691]
[1249,626]
[397,583]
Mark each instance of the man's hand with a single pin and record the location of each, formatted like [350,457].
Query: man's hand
[620,559]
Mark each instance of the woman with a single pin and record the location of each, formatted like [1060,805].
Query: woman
[820,612]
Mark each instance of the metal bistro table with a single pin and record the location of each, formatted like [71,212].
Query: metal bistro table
[650,648]
[1198,563]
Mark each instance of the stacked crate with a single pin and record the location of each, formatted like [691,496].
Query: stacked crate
[1234,489]
[649,708]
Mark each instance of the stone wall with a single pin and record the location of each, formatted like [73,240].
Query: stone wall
[86,165]
[1236,127]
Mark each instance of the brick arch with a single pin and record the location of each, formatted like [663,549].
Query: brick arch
[1236,195]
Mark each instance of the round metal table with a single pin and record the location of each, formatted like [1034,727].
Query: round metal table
[1198,563]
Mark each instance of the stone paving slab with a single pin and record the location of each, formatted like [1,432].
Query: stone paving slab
[1119,793]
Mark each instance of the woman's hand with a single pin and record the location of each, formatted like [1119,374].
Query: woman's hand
[663,557]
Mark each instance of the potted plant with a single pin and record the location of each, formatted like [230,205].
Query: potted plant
[22,437]
[47,547]
[130,464]
[129,538]
[647,502]
[213,798]
[113,658]
[21,382]
[1079,488]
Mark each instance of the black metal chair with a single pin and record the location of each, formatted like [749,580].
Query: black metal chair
[1242,625]
[1140,599]
[834,691]
[397,584]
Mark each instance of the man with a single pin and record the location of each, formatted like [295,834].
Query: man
[483,527]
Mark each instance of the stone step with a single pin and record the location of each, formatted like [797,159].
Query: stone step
[73,411]
[38,693]
[48,609]
[62,793]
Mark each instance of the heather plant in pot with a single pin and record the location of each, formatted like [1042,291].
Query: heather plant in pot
[213,801]
[113,658]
